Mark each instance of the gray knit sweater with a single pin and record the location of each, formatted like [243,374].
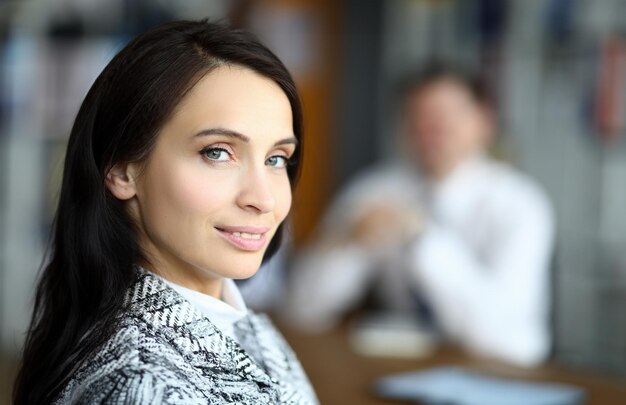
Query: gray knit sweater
[167,352]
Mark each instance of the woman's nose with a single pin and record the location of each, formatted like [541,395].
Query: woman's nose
[256,190]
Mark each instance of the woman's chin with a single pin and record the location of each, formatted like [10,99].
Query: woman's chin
[242,269]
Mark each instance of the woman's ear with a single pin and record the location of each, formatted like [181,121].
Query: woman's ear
[120,180]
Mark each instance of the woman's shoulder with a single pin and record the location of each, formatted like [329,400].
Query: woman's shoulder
[284,364]
[134,365]
[141,383]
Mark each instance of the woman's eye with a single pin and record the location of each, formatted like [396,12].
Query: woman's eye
[217,154]
[277,161]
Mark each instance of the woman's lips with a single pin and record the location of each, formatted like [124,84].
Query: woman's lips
[248,238]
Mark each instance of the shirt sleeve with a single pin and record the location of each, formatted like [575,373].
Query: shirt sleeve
[496,304]
[325,284]
[326,280]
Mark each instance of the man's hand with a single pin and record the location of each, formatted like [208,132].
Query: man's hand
[386,224]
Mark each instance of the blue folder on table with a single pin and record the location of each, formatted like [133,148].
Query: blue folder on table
[460,386]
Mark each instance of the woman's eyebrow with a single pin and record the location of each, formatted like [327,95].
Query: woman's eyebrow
[287,141]
[223,132]
[234,134]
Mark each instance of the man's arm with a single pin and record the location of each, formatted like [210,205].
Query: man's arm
[496,305]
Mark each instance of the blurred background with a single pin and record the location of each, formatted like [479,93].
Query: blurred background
[556,68]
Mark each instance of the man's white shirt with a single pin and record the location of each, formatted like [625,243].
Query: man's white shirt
[482,261]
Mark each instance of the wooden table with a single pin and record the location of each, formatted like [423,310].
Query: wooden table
[342,377]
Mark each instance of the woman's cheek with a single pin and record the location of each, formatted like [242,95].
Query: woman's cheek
[201,192]
[284,199]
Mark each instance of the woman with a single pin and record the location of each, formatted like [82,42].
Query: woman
[178,175]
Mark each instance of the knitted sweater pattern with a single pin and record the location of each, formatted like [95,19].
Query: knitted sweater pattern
[165,351]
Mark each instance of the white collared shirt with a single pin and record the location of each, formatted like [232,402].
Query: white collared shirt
[482,260]
[223,312]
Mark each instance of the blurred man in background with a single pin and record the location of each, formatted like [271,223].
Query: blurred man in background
[448,232]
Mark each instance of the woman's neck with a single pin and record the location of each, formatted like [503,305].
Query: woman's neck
[188,278]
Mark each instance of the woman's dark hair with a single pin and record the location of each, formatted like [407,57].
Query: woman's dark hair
[93,244]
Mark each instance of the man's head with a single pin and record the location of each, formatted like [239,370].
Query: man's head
[447,118]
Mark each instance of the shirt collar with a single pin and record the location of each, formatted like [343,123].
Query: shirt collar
[224,312]
[466,170]
[230,304]
[154,301]
[455,192]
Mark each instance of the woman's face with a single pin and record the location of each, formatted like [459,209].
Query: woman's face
[215,187]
